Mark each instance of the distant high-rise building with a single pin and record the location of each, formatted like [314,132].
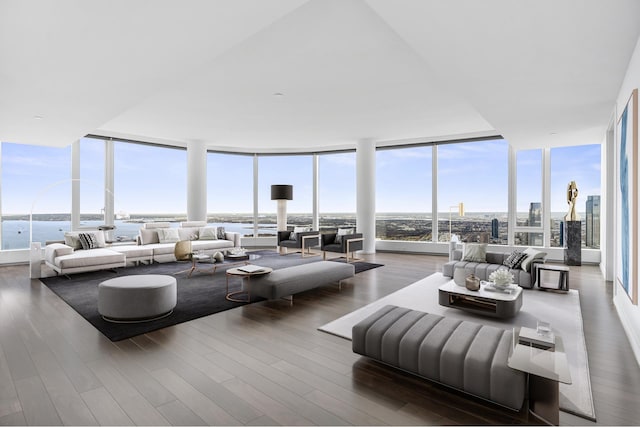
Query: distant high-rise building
[593,222]
[561,234]
[495,228]
[535,214]
[535,220]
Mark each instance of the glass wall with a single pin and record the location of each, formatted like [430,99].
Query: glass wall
[296,170]
[337,191]
[403,194]
[529,197]
[35,178]
[92,185]
[580,164]
[150,183]
[476,175]
[230,192]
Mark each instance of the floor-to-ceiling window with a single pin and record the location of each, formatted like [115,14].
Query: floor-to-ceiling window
[337,190]
[92,185]
[296,170]
[474,174]
[581,164]
[230,192]
[529,198]
[150,184]
[403,194]
[35,179]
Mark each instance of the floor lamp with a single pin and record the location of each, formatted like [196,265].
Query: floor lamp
[282,193]
[460,207]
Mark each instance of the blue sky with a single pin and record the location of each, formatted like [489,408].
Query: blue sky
[153,180]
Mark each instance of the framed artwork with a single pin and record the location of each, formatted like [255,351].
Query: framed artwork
[627,198]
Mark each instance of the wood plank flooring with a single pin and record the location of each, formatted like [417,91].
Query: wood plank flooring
[262,364]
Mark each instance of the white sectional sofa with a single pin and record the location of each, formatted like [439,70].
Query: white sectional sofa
[155,243]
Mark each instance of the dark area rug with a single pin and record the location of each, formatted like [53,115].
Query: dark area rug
[201,295]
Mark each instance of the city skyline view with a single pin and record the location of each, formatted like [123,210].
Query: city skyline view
[28,171]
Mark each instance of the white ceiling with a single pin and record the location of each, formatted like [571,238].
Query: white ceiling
[541,73]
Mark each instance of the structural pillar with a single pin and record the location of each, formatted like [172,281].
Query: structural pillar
[366,193]
[196,181]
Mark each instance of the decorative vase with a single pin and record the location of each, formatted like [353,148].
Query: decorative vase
[472,282]
[218,257]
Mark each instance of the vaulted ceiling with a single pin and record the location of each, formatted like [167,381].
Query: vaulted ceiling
[289,75]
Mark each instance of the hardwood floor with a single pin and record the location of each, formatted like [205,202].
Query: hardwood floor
[263,363]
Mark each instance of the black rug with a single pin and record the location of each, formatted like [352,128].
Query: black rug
[201,295]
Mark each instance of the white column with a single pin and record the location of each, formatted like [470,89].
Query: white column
[366,193]
[196,181]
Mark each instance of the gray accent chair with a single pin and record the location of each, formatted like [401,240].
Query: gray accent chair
[285,241]
[460,354]
[348,245]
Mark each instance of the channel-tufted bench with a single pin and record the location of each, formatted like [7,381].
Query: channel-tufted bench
[463,355]
[292,280]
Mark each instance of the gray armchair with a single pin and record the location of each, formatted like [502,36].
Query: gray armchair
[301,241]
[347,244]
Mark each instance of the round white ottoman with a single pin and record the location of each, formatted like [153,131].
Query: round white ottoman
[137,298]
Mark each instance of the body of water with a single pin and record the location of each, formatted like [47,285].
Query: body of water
[15,233]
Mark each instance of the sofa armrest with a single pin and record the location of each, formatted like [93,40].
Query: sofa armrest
[283,235]
[234,237]
[355,246]
[54,250]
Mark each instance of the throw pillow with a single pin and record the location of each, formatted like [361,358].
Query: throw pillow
[515,259]
[532,254]
[343,232]
[292,236]
[88,240]
[71,239]
[221,233]
[475,252]
[148,237]
[208,233]
[168,235]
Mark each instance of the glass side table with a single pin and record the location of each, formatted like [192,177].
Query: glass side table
[545,369]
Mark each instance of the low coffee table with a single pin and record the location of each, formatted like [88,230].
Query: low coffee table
[229,261]
[494,304]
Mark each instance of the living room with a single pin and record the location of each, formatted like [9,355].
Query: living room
[376,127]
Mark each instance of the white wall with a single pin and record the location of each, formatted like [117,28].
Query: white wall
[629,313]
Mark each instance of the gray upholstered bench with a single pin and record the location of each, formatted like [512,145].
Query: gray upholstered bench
[463,355]
[292,280]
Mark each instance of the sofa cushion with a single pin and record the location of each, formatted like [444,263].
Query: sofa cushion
[54,250]
[475,252]
[148,237]
[88,240]
[168,235]
[221,233]
[202,245]
[532,254]
[93,257]
[71,238]
[193,224]
[515,259]
[207,233]
[155,225]
[343,232]
[188,233]
[134,251]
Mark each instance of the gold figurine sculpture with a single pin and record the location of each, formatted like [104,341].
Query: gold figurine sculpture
[572,197]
